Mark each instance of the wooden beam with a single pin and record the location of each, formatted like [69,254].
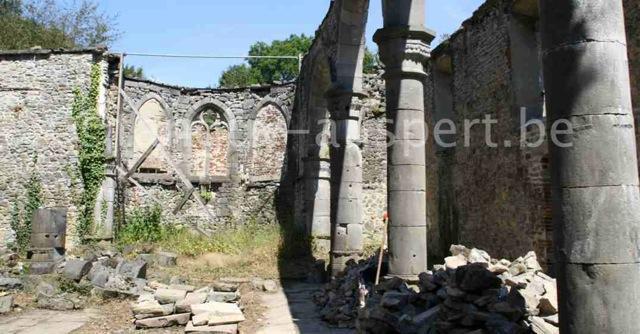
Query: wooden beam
[184,200]
[144,157]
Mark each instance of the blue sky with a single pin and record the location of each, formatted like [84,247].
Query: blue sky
[223,27]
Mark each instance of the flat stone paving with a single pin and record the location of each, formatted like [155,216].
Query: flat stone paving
[44,321]
[291,310]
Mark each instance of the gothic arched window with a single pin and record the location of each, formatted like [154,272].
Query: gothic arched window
[210,144]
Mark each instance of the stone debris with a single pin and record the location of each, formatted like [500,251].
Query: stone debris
[338,300]
[10,283]
[166,259]
[471,293]
[76,269]
[169,307]
[6,303]
[164,321]
[221,329]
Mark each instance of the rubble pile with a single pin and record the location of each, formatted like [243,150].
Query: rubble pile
[340,299]
[470,293]
[208,309]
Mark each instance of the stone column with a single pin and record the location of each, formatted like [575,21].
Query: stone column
[404,49]
[346,179]
[318,198]
[346,157]
[596,202]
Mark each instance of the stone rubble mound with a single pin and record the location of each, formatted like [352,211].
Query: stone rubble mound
[210,309]
[339,300]
[471,293]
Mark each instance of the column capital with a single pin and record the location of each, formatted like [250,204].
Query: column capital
[344,104]
[404,50]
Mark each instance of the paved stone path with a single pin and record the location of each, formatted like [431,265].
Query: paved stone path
[44,321]
[292,311]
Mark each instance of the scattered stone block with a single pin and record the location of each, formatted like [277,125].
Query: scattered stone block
[185,287]
[225,287]
[191,298]
[169,296]
[214,307]
[269,286]
[132,269]
[6,303]
[201,319]
[164,321]
[10,283]
[76,269]
[222,329]
[222,297]
[225,319]
[45,289]
[148,258]
[453,262]
[166,259]
[149,307]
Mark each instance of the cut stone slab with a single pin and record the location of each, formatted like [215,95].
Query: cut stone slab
[190,299]
[215,307]
[76,269]
[185,287]
[169,296]
[150,307]
[6,303]
[133,269]
[222,297]
[225,319]
[166,259]
[164,321]
[225,287]
[201,319]
[222,329]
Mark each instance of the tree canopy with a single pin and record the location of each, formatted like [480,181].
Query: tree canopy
[131,71]
[264,71]
[53,24]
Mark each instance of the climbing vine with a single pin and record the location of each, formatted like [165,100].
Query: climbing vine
[91,134]
[21,217]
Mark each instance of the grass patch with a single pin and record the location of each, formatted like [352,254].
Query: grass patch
[250,249]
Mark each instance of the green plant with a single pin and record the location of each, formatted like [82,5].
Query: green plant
[21,216]
[206,195]
[143,225]
[91,134]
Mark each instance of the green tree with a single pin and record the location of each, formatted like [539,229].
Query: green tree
[240,76]
[130,71]
[263,71]
[54,24]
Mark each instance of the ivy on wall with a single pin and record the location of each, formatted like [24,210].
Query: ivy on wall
[21,215]
[92,135]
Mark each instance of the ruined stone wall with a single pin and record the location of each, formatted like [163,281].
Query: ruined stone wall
[37,132]
[632,19]
[229,142]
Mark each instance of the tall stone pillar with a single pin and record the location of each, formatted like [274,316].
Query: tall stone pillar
[404,50]
[346,179]
[596,201]
[318,197]
[346,156]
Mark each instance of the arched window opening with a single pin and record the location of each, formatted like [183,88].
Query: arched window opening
[210,144]
[269,143]
[151,123]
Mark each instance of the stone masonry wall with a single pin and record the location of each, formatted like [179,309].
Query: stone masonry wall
[254,134]
[37,133]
